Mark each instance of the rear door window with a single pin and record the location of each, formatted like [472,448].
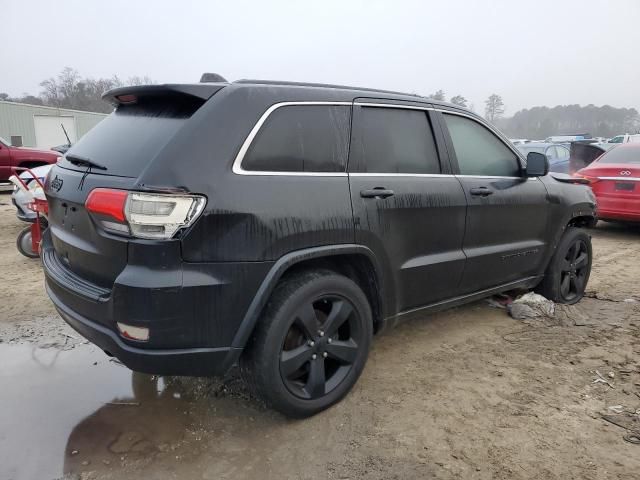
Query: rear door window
[478,150]
[301,138]
[394,140]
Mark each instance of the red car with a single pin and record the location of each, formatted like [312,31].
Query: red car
[615,180]
[22,157]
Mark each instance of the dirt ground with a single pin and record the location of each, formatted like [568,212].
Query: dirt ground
[468,393]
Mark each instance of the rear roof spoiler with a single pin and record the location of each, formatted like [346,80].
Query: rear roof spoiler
[203,91]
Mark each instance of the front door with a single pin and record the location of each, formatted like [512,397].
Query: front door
[506,227]
[408,207]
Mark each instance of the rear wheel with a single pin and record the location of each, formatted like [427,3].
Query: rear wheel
[24,244]
[311,344]
[568,272]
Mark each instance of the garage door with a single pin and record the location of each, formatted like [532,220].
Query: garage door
[49,132]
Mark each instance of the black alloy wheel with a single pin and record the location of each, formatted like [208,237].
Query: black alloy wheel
[320,347]
[310,344]
[574,270]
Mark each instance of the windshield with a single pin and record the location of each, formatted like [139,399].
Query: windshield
[2,140]
[621,154]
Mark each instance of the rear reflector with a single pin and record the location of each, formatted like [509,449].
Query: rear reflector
[108,202]
[133,333]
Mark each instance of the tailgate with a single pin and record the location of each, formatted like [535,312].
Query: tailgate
[113,155]
[79,245]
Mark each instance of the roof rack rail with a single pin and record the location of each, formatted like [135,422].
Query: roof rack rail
[322,85]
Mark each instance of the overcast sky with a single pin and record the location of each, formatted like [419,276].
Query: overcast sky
[532,52]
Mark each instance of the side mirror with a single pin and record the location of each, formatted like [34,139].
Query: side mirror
[537,164]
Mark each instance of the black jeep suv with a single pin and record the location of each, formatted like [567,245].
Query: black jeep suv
[279,225]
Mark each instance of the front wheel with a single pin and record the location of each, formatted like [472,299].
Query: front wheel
[568,272]
[25,247]
[311,343]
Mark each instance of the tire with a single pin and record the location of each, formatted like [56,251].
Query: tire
[290,362]
[568,271]
[23,243]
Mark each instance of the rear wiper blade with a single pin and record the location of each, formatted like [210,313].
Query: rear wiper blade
[78,160]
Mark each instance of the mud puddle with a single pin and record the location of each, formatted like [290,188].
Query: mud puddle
[67,412]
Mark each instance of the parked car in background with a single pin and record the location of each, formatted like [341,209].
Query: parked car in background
[12,156]
[319,215]
[20,199]
[626,138]
[567,138]
[558,155]
[518,141]
[615,180]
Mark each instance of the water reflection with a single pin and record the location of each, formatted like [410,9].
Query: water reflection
[70,411]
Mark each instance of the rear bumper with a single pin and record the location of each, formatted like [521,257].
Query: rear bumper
[187,361]
[619,207]
[192,311]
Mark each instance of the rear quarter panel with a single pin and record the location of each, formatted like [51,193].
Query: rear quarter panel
[249,217]
[567,202]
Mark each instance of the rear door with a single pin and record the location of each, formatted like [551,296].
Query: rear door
[506,223]
[408,207]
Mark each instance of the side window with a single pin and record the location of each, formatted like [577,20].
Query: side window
[478,150]
[393,140]
[563,153]
[551,153]
[301,138]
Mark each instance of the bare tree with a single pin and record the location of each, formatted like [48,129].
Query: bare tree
[70,90]
[494,107]
[459,100]
[439,95]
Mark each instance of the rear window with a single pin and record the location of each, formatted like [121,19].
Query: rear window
[621,154]
[301,138]
[128,139]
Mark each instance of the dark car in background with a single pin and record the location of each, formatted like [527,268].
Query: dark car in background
[557,154]
[319,215]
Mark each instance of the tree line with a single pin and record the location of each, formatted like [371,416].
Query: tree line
[70,90]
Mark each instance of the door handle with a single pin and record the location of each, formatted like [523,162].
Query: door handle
[378,192]
[481,192]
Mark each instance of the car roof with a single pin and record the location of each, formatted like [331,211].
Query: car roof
[349,91]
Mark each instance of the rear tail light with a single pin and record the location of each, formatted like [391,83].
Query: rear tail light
[144,215]
[591,180]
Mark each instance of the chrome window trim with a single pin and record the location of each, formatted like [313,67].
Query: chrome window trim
[489,177]
[419,175]
[621,179]
[237,163]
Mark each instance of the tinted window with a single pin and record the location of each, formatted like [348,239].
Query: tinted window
[128,139]
[394,140]
[621,154]
[479,151]
[617,139]
[301,138]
